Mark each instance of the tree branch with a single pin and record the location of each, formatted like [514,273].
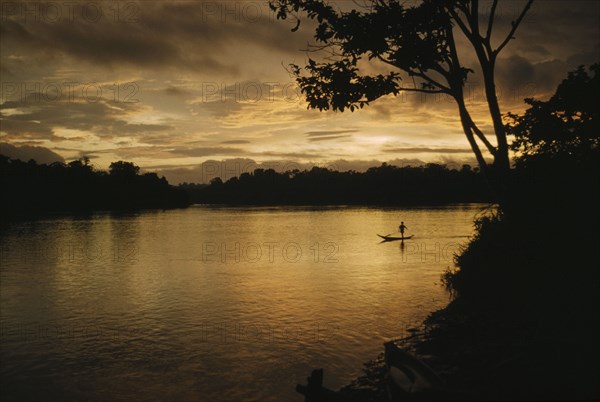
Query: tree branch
[515,24]
[454,55]
[425,91]
[439,69]
[488,35]
[430,80]
[474,17]
[475,148]
[480,44]
[482,137]
[421,75]
[460,23]
[466,119]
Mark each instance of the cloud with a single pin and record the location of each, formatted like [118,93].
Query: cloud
[322,133]
[235,142]
[328,137]
[515,72]
[284,154]
[26,152]
[536,49]
[419,150]
[519,78]
[92,42]
[41,119]
[195,36]
[173,50]
[219,109]
[176,92]
[207,151]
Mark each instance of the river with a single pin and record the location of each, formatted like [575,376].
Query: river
[213,303]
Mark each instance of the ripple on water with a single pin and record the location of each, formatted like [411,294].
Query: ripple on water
[142,307]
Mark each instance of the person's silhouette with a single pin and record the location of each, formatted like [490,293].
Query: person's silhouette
[402,227]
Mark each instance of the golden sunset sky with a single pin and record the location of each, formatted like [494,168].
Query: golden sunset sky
[172,85]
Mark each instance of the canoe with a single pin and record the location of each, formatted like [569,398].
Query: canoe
[409,377]
[391,238]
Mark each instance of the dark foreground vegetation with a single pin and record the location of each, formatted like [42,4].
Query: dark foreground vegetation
[31,190]
[531,277]
[541,240]
[383,185]
[524,322]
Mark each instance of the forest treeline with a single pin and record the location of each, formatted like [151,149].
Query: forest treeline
[383,185]
[31,189]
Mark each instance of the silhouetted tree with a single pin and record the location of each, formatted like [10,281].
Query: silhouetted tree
[567,126]
[121,168]
[383,185]
[30,189]
[557,147]
[535,262]
[416,39]
[554,199]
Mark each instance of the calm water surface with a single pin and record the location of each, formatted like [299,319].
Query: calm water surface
[213,304]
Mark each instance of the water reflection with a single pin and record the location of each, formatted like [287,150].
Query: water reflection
[212,303]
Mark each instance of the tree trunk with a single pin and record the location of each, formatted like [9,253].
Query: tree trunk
[500,172]
[465,120]
[501,158]
[496,180]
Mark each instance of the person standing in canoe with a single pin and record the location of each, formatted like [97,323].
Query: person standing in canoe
[402,227]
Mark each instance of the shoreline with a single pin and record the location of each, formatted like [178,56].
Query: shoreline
[371,386]
[485,354]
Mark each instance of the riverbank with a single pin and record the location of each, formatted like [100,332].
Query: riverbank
[485,354]
[371,386]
